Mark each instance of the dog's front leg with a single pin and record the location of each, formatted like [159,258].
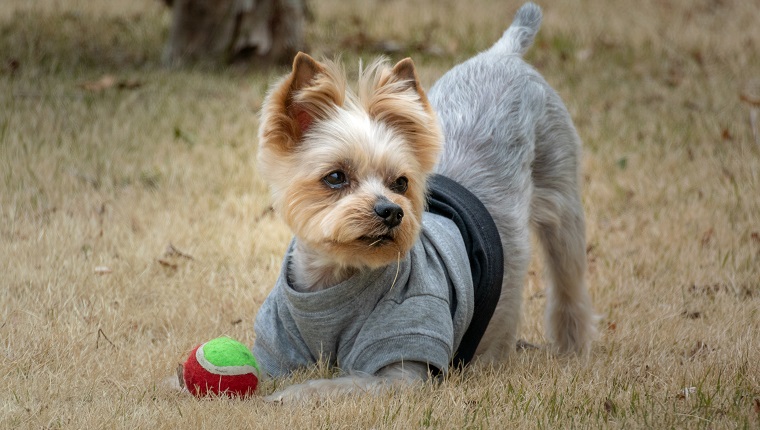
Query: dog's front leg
[406,373]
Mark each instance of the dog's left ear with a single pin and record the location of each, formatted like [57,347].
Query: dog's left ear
[394,103]
[404,71]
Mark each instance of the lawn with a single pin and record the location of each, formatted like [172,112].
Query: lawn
[133,223]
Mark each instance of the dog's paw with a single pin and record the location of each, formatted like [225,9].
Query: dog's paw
[294,394]
[323,389]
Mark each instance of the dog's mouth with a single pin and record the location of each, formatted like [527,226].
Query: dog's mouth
[370,240]
[377,240]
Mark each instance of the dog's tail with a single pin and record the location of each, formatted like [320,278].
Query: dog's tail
[519,36]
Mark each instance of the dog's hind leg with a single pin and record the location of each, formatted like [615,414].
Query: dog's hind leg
[500,337]
[558,219]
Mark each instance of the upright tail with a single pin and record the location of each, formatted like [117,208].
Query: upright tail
[519,36]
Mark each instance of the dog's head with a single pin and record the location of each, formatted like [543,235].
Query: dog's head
[348,170]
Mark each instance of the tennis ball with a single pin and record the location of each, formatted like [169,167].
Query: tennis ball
[221,366]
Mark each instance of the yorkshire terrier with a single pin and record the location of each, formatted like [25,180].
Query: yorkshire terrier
[405,206]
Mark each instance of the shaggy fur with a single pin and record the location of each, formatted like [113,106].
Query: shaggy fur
[508,139]
[313,125]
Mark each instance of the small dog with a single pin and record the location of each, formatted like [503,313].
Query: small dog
[372,283]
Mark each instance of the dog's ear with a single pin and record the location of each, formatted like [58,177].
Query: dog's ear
[405,72]
[310,92]
[400,101]
[305,70]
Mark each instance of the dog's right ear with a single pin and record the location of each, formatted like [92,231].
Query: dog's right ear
[309,93]
[305,70]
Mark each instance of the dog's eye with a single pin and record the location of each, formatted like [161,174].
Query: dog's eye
[400,185]
[336,180]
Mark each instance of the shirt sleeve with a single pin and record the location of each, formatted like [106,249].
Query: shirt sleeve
[418,329]
[279,348]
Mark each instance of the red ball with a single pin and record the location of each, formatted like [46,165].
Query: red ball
[203,377]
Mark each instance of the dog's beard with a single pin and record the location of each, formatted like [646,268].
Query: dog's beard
[351,235]
[321,262]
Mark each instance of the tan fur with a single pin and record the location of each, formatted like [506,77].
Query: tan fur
[383,130]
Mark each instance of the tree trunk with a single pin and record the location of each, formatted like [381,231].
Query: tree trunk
[263,32]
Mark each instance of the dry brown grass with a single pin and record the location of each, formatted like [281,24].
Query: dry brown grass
[111,178]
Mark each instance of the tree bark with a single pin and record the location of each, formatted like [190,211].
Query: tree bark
[263,32]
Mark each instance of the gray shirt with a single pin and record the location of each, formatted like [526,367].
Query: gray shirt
[368,321]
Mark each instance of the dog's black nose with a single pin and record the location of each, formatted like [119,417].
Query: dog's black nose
[390,212]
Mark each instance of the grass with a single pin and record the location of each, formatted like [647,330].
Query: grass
[95,185]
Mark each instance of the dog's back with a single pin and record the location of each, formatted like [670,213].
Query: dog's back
[511,142]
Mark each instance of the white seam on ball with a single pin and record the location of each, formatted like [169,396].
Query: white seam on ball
[223,370]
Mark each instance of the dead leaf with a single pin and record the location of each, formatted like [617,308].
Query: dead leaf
[686,392]
[697,56]
[13,66]
[707,237]
[726,134]
[755,236]
[750,93]
[167,263]
[181,375]
[109,81]
[268,211]
[675,77]
[692,105]
[172,251]
[700,348]
[103,270]
[129,84]
[609,406]
[359,41]
[189,138]
[611,326]
[172,256]
[728,174]
[105,82]
[707,289]
[584,54]
[742,291]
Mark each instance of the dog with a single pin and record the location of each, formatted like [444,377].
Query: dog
[373,284]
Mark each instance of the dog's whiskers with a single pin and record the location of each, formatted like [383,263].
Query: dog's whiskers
[398,267]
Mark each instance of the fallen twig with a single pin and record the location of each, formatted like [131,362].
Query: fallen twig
[172,251]
[97,341]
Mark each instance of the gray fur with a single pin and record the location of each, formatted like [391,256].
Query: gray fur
[510,140]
